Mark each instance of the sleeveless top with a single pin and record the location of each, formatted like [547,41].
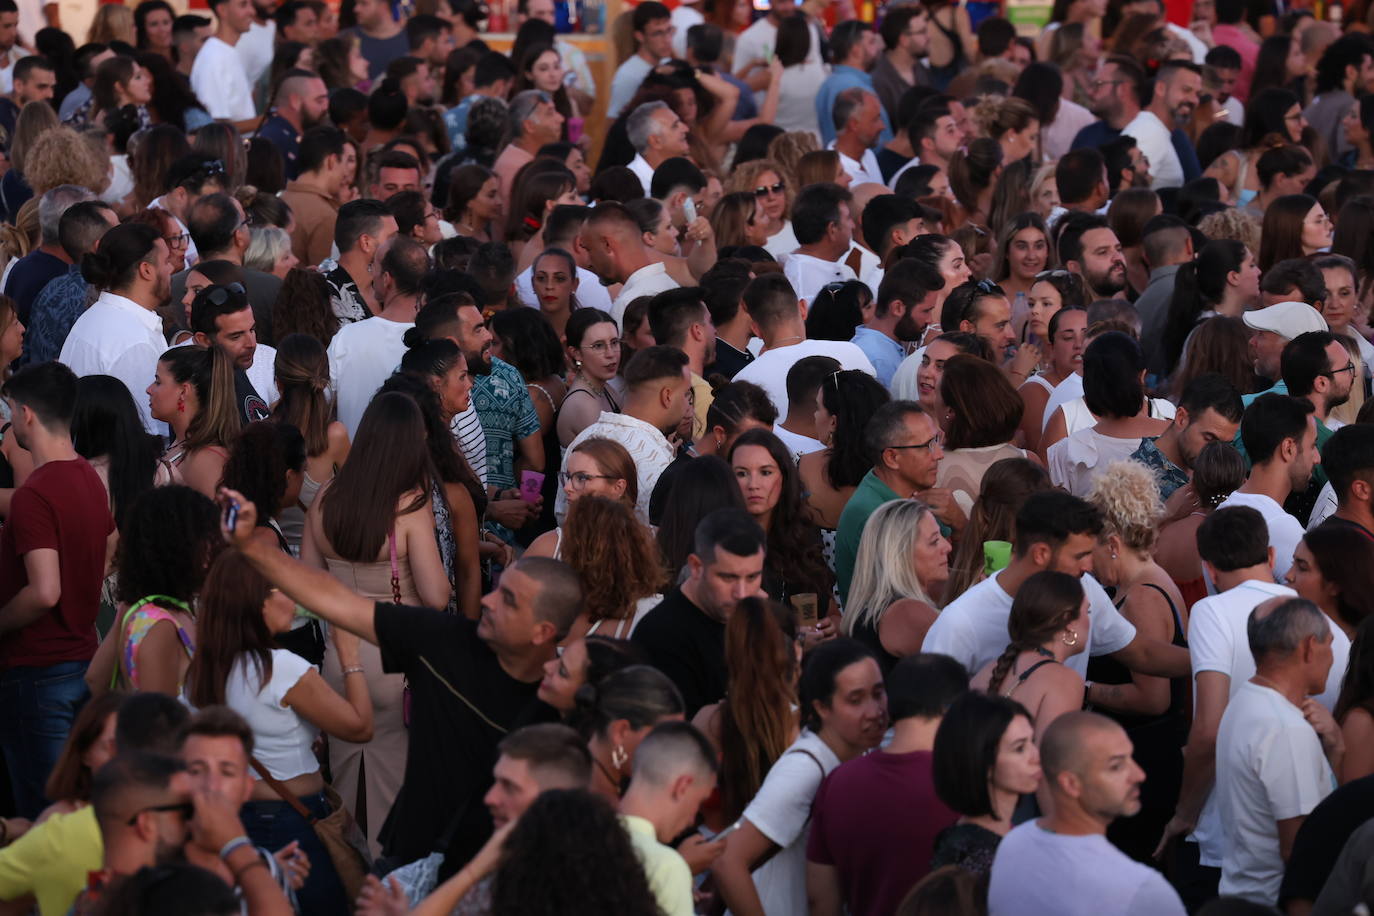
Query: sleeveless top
[642,606]
[1107,670]
[866,632]
[140,619]
[941,77]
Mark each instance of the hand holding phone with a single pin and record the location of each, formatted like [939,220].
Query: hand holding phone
[531,482]
[689,209]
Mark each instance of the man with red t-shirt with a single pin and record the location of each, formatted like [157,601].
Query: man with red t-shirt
[53,552]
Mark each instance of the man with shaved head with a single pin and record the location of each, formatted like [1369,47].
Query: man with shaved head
[1063,863]
[618,254]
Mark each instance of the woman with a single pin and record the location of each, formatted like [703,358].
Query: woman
[952,42]
[1023,252]
[1222,280]
[1354,710]
[269,251]
[284,700]
[982,413]
[616,561]
[899,573]
[267,464]
[573,160]
[838,310]
[594,467]
[1218,471]
[594,350]
[985,758]
[763,178]
[1281,63]
[341,62]
[474,202]
[1359,133]
[1048,625]
[1130,210]
[1282,169]
[1270,112]
[302,307]
[843,715]
[615,715]
[944,255]
[173,104]
[1012,122]
[541,67]
[584,661]
[801,76]
[107,432]
[114,24]
[152,158]
[193,393]
[170,230]
[538,188]
[89,746]
[1076,52]
[554,278]
[844,404]
[701,487]
[981,308]
[1061,296]
[739,220]
[1295,226]
[121,81]
[985,542]
[32,126]
[221,141]
[153,28]
[655,225]
[972,174]
[1220,345]
[372,528]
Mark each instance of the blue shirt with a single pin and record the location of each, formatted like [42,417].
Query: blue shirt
[507,414]
[844,77]
[1187,155]
[882,351]
[31,273]
[1095,134]
[456,120]
[54,312]
[279,132]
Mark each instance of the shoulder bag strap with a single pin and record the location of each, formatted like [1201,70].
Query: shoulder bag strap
[275,785]
[395,570]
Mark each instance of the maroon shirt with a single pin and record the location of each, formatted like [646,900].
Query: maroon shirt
[875,820]
[63,506]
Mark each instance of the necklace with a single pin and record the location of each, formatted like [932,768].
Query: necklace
[783,341]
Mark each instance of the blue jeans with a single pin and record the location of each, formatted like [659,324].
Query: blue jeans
[37,707]
[274,824]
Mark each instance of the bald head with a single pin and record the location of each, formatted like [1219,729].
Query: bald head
[1066,746]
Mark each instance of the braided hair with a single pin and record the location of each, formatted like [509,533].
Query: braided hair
[1045,603]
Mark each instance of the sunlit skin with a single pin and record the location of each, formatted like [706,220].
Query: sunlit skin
[585,477]
[930,554]
[1044,300]
[760,480]
[1027,253]
[931,370]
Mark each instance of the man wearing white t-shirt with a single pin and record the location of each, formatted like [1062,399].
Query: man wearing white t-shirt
[779,319]
[1176,96]
[617,252]
[1277,749]
[858,118]
[824,225]
[218,75]
[1280,437]
[1054,531]
[1063,863]
[755,46]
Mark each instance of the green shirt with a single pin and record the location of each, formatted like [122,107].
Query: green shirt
[669,878]
[870,494]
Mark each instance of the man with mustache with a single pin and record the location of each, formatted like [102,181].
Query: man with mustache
[1089,248]
[1176,96]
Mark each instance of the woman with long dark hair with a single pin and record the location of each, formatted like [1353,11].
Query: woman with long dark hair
[1354,709]
[554,280]
[1062,296]
[107,432]
[701,487]
[593,342]
[302,375]
[615,714]
[981,414]
[90,745]
[1023,252]
[173,103]
[153,20]
[845,402]
[991,524]
[193,393]
[474,204]
[1295,226]
[1222,280]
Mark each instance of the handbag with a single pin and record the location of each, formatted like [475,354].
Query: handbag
[396,596]
[342,837]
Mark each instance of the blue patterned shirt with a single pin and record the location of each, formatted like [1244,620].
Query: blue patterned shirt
[1169,475]
[507,414]
[54,312]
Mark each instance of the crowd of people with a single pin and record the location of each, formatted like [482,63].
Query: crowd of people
[828,467]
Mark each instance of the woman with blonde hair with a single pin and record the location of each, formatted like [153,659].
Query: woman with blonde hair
[35,120]
[1044,190]
[738,220]
[269,250]
[63,156]
[766,180]
[899,572]
[821,166]
[112,22]
[788,149]
[19,236]
[1012,122]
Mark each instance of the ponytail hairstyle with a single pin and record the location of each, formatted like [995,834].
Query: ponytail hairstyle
[996,114]
[1281,158]
[756,714]
[210,371]
[302,375]
[115,265]
[971,171]
[1046,603]
[639,694]
[1199,286]
[431,359]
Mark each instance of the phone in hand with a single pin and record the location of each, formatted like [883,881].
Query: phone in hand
[689,208]
[531,482]
[807,609]
[231,516]
[727,831]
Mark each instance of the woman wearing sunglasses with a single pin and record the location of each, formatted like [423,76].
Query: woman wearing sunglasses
[764,179]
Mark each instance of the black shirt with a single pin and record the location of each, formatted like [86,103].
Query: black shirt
[728,360]
[1322,836]
[1347,523]
[251,404]
[688,646]
[452,746]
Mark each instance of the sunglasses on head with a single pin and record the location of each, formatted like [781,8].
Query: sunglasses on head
[221,295]
[765,190]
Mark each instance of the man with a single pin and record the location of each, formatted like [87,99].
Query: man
[723,288]
[297,21]
[903,309]
[1273,328]
[679,318]
[49,260]
[1081,177]
[853,48]
[657,134]
[905,32]
[1175,97]
[684,636]
[34,80]
[66,296]
[503,404]
[616,250]
[1317,367]
[415,79]
[1127,166]
[470,682]
[904,444]
[858,120]
[189,34]
[430,39]
[1089,248]
[660,385]
[824,227]
[674,772]
[11,49]
[561,231]
[363,353]
[217,76]
[360,231]
[704,46]
[392,172]
[777,316]
[219,227]
[1208,411]
[797,428]
[90,56]
[653,33]
[1116,100]
[1220,70]
[190,178]
[1093,780]
[1277,751]
[121,333]
[875,819]
[220,317]
[301,102]
[255,48]
[1345,70]
[53,554]
[936,136]
[1166,244]
[888,221]
[381,38]
[1294,280]
[675,181]
[313,193]
[534,122]
[492,76]
[1349,460]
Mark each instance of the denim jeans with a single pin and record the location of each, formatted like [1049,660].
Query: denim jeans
[37,707]
[274,824]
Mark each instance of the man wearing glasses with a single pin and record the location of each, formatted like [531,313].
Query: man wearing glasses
[1317,367]
[653,29]
[1115,99]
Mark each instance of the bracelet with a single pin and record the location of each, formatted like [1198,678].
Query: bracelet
[355,669]
[239,872]
[237,842]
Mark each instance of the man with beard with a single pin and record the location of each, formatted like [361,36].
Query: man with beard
[1317,367]
[1127,166]
[1208,411]
[1089,248]
[302,101]
[121,333]
[902,311]
[1176,96]
[679,318]
[1115,99]
[854,47]
[824,227]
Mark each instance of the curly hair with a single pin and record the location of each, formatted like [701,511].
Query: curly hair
[1045,603]
[996,114]
[1128,495]
[302,307]
[746,178]
[167,543]
[568,855]
[258,461]
[62,156]
[614,556]
[787,150]
[1232,223]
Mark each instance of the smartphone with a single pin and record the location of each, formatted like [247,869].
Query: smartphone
[689,208]
[807,612]
[531,482]
[727,831]
[231,516]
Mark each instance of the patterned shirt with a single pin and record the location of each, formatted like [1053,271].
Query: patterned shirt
[348,303]
[1169,475]
[54,312]
[507,413]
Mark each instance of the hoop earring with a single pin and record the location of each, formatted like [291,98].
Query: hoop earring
[1070,638]
[619,758]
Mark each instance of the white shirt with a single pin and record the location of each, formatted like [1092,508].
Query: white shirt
[467,431]
[797,445]
[1154,139]
[1235,111]
[873,277]
[809,274]
[1076,461]
[1069,389]
[770,370]
[263,373]
[590,293]
[683,18]
[864,170]
[760,41]
[1284,530]
[31,20]
[1192,41]
[903,385]
[1270,767]
[255,49]
[782,242]
[117,336]
[362,356]
[643,171]
[648,280]
[281,738]
[801,84]
[1325,506]
[192,255]
[973,628]
[647,446]
[220,82]
[1036,872]
[625,83]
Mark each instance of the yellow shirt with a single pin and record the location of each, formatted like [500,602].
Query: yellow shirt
[52,861]
[669,877]
[701,398]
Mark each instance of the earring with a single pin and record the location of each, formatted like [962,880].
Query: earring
[619,758]
[1070,638]
[181,405]
[1113,554]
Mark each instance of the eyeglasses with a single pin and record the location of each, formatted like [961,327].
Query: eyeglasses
[185,809]
[1350,367]
[764,190]
[930,445]
[1052,274]
[1098,84]
[603,346]
[181,240]
[580,479]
